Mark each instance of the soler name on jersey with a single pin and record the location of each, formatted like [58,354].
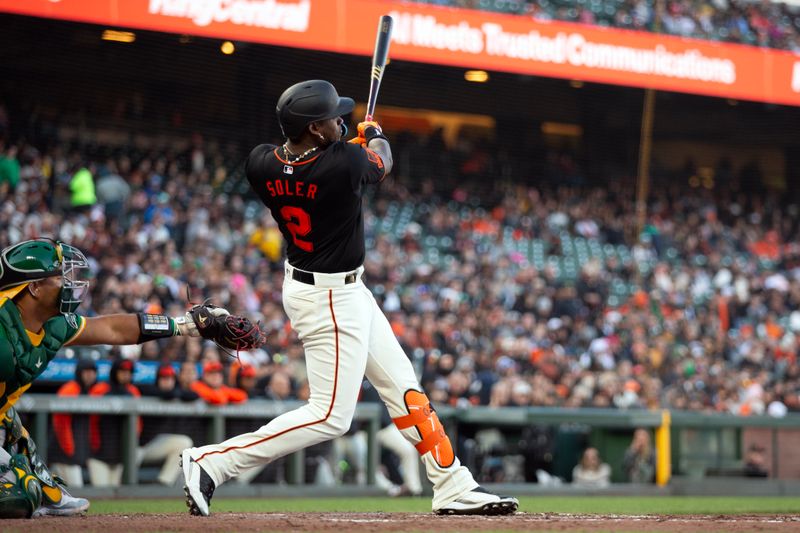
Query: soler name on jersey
[291,188]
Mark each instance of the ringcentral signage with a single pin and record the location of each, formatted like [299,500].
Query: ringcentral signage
[462,38]
[270,14]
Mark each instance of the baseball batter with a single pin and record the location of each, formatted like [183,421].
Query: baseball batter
[313,185]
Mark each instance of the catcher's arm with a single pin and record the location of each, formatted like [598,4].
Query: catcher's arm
[207,321]
[130,329]
[108,329]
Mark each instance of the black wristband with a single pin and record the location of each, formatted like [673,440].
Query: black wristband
[153,327]
[371,132]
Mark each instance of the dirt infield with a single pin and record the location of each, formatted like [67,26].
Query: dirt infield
[417,522]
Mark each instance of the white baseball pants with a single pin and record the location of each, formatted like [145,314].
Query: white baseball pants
[345,336]
[71,474]
[102,474]
[164,447]
[392,438]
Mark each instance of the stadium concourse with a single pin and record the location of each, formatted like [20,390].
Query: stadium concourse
[769,24]
[501,294]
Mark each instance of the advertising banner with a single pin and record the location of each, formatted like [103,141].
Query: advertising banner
[62,369]
[462,38]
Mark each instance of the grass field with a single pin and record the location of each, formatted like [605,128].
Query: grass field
[674,505]
[545,514]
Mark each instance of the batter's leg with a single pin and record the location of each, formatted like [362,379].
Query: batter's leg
[455,491]
[334,337]
[391,373]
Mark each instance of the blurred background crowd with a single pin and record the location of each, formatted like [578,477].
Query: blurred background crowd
[501,294]
[759,23]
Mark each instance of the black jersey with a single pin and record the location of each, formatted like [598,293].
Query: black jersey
[317,202]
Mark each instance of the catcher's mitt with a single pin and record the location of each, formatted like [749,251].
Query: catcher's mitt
[231,332]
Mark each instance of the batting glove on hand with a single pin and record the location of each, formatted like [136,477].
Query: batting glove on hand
[362,127]
[366,132]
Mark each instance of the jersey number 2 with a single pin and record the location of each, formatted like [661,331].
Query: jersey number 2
[298,222]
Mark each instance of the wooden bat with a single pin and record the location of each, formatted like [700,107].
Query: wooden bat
[379,62]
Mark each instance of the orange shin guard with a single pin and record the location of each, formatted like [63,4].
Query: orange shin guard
[422,416]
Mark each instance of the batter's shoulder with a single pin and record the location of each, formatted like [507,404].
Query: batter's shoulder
[258,159]
[346,152]
[260,152]
[343,147]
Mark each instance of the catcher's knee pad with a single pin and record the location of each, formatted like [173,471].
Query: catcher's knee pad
[15,431]
[22,495]
[424,418]
[19,441]
[51,495]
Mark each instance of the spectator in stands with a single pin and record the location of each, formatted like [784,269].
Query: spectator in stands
[763,24]
[161,439]
[166,386]
[210,353]
[112,192]
[70,448]
[9,167]
[82,188]
[244,377]
[639,462]
[755,462]
[590,472]
[184,389]
[187,377]
[501,394]
[212,389]
[279,387]
[520,394]
[105,431]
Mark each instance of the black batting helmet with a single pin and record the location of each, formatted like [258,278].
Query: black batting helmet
[309,101]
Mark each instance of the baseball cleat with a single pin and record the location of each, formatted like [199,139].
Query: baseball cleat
[479,501]
[58,502]
[198,486]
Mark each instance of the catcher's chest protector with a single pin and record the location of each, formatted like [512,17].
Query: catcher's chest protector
[29,360]
[424,418]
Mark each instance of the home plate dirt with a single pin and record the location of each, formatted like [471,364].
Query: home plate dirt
[407,522]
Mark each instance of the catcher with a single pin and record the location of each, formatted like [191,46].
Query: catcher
[40,290]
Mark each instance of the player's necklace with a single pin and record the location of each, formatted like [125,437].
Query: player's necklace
[289,154]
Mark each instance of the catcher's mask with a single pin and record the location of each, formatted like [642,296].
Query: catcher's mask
[29,261]
[307,102]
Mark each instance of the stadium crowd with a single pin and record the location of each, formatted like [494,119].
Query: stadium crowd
[765,23]
[532,295]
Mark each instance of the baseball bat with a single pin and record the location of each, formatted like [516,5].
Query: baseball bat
[379,62]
